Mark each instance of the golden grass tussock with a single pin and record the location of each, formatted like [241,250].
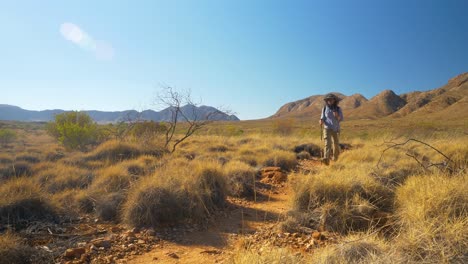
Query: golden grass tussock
[60,177]
[5,158]
[176,193]
[433,213]
[16,169]
[115,151]
[22,200]
[109,190]
[28,157]
[73,202]
[287,160]
[14,250]
[270,255]
[357,248]
[340,200]
[241,178]
[114,178]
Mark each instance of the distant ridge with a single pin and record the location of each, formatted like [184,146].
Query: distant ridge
[442,102]
[15,113]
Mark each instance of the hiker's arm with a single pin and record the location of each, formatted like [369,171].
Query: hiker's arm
[322,117]
[340,115]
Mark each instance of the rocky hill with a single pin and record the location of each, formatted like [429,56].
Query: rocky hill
[15,113]
[442,102]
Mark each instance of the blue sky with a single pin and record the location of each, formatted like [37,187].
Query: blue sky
[250,56]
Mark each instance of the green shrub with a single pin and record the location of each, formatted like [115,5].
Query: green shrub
[147,129]
[7,136]
[75,130]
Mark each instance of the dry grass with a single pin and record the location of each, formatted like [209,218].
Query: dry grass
[280,158]
[115,151]
[433,213]
[240,178]
[21,200]
[126,182]
[62,177]
[340,201]
[13,250]
[269,255]
[361,248]
[176,193]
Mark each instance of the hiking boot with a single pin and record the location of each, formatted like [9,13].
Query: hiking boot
[326,161]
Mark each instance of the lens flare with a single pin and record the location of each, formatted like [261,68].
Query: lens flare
[101,49]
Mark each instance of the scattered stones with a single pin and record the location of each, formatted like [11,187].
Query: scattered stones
[273,175]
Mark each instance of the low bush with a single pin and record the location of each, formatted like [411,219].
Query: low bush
[7,136]
[75,130]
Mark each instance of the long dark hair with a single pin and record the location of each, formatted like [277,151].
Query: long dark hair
[334,106]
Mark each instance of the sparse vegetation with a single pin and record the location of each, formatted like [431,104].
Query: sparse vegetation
[396,212]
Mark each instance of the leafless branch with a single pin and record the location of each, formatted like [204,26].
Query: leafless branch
[393,145]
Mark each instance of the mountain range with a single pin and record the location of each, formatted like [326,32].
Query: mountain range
[15,113]
[449,101]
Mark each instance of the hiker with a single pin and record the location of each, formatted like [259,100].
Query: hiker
[330,120]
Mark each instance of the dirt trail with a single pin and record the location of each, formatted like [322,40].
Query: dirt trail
[215,244]
[242,218]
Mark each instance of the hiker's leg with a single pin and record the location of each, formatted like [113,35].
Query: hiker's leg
[336,145]
[328,144]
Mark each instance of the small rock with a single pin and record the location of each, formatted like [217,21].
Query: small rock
[74,252]
[141,242]
[318,236]
[101,242]
[172,255]
[116,229]
[151,232]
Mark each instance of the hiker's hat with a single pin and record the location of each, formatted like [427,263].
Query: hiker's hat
[331,96]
